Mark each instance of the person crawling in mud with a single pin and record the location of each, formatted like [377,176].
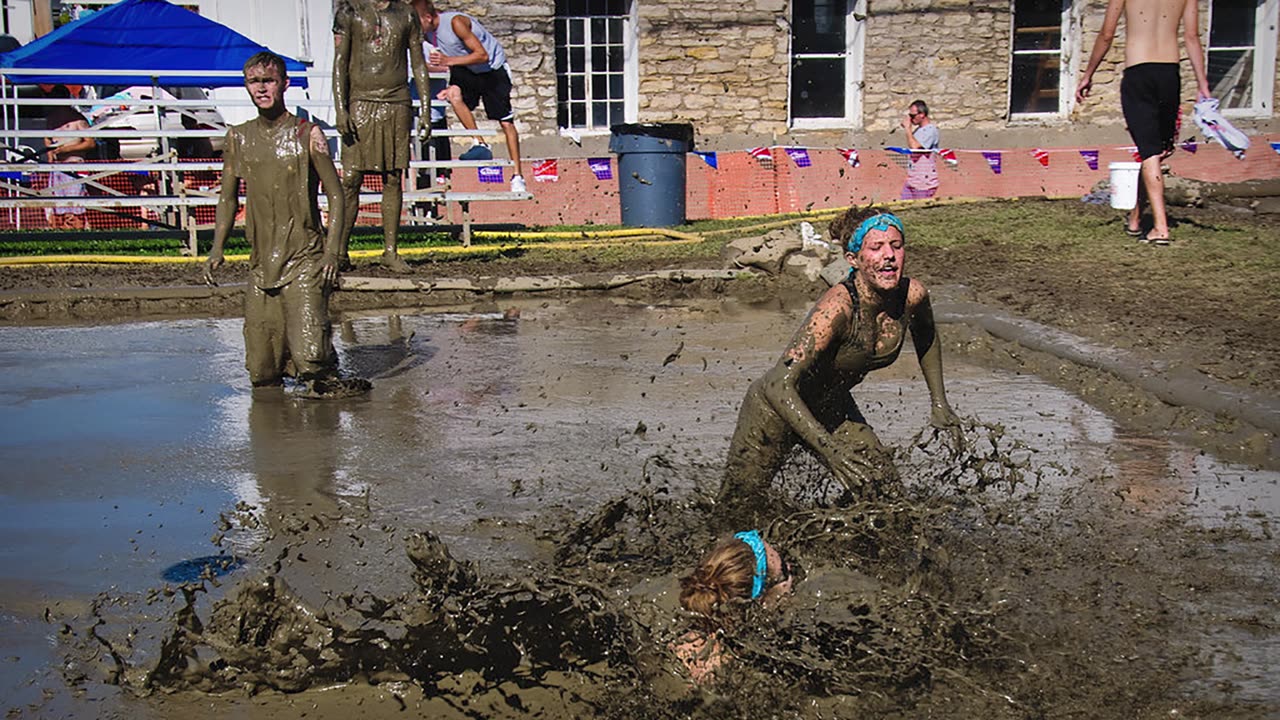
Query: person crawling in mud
[292,263]
[740,570]
[857,326]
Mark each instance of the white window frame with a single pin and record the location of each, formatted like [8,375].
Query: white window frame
[1264,59]
[630,75]
[854,54]
[1068,64]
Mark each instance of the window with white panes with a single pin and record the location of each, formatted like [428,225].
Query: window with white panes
[1241,54]
[596,67]
[826,63]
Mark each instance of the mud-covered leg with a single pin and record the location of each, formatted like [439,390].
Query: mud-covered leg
[351,181]
[761,442]
[392,201]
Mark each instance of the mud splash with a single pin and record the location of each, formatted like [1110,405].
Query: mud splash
[875,616]
[1133,581]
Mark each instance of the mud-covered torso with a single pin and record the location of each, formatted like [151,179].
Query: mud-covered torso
[378,68]
[282,219]
[871,341]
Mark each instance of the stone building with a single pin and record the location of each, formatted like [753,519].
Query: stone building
[758,70]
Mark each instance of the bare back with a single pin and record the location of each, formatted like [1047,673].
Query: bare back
[1151,30]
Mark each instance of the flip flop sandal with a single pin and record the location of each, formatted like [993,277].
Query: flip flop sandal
[1133,233]
[1162,242]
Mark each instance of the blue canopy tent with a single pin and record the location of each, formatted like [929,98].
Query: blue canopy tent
[139,35]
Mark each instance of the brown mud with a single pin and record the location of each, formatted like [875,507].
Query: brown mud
[980,592]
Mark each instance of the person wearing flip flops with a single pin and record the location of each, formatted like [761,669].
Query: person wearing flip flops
[1149,90]
[477,71]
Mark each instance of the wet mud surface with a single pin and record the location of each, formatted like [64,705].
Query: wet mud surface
[497,529]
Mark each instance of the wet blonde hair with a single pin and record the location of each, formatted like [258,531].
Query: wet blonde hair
[724,576]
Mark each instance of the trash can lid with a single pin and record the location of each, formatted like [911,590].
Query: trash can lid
[682,132]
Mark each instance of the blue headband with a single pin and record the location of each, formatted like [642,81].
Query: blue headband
[881,221]
[756,543]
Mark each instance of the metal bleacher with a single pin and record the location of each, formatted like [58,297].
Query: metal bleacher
[167,191]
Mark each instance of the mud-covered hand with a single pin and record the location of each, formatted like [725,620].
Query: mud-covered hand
[851,467]
[213,262]
[342,121]
[943,418]
[424,122]
[329,270]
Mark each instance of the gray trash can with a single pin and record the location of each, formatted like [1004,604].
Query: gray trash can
[651,171]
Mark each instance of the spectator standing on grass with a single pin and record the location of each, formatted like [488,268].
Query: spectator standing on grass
[374,107]
[477,71]
[66,150]
[1149,90]
[293,263]
[923,138]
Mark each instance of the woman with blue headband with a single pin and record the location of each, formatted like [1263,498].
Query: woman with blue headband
[739,570]
[856,327]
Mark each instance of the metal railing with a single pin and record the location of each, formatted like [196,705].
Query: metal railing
[174,199]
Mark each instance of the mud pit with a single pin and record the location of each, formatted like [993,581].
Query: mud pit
[564,465]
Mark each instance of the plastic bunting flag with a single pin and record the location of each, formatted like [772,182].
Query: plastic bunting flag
[708,157]
[800,156]
[949,156]
[994,160]
[763,155]
[1276,146]
[850,156]
[1041,155]
[1190,146]
[489,174]
[901,156]
[546,170]
[602,168]
[1090,158]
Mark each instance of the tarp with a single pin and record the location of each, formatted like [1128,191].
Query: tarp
[141,35]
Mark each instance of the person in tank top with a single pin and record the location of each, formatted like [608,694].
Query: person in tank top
[856,327]
[477,72]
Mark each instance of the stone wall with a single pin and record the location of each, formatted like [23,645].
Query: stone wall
[723,66]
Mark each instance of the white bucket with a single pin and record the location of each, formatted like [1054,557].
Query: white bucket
[1124,184]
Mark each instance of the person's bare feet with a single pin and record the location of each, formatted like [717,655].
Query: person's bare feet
[393,262]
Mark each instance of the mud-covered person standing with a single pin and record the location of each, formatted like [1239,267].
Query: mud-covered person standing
[292,262]
[856,327]
[374,108]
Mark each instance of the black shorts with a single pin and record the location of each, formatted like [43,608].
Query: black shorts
[494,87]
[1149,97]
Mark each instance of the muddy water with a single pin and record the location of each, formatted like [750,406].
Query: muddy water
[131,449]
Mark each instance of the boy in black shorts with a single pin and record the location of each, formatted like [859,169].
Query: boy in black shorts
[477,71]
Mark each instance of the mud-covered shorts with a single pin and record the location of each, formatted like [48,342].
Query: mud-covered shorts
[287,331]
[381,142]
[1149,98]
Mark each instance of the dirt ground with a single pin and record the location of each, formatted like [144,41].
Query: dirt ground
[1084,607]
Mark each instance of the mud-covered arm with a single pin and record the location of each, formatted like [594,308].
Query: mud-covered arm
[228,204]
[418,63]
[821,333]
[332,186]
[342,75]
[924,335]
[1101,44]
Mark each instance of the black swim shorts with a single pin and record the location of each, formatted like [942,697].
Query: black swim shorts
[494,87]
[1149,97]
